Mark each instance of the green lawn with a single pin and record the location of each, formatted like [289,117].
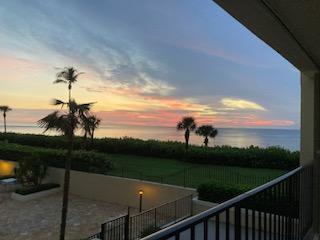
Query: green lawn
[186,174]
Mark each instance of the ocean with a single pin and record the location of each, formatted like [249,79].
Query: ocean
[238,137]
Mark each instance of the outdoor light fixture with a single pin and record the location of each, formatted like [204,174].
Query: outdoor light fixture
[140,200]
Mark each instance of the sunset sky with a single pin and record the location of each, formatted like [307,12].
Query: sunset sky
[146,62]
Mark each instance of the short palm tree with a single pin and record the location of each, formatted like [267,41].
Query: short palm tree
[5,109]
[69,76]
[90,124]
[207,131]
[187,124]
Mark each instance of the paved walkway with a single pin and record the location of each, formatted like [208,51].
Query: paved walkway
[40,219]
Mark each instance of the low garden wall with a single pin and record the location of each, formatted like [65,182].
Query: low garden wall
[118,190]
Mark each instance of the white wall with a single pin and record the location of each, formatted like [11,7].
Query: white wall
[118,190]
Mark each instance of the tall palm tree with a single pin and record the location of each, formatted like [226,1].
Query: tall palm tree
[187,124]
[66,123]
[69,76]
[5,109]
[207,131]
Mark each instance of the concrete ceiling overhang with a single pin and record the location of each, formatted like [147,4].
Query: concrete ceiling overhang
[291,27]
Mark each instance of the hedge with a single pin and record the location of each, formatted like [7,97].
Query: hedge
[218,192]
[255,157]
[34,189]
[87,161]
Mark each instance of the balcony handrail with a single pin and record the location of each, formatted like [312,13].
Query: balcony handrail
[185,224]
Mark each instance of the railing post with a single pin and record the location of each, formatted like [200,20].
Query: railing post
[103,233]
[237,223]
[126,227]
[155,218]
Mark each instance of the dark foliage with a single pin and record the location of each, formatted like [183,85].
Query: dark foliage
[33,189]
[86,161]
[255,157]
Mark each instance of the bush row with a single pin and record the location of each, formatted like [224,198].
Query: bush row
[273,202]
[87,161]
[271,157]
[34,189]
[218,192]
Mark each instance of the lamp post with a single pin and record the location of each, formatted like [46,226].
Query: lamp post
[140,200]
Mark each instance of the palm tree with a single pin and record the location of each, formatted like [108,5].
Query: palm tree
[90,124]
[207,131]
[94,124]
[66,123]
[187,124]
[5,109]
[69,76]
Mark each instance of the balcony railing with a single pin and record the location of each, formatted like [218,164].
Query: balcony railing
[279,209]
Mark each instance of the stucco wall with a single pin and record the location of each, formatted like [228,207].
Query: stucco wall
[118,190]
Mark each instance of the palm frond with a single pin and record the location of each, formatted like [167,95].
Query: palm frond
[5,108]
[57,102]
[50,122]
[59,81]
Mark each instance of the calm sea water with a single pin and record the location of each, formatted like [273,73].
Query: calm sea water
[239,137]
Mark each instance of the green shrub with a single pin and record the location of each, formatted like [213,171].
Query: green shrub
[149,230]
[219,192]
[86,161]
[33,189]
[256,157]
[31,170]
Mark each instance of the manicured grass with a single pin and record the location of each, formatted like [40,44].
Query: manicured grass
[186,174]
[162,170]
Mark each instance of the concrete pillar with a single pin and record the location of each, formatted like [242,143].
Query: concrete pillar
[310,133]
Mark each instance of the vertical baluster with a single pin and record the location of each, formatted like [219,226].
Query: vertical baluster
[237,223]
[270,226]
[265,226]
[192,232]
[246,224]
[253,224]
[217,227]
[227,224]
[205,229]
[259,225]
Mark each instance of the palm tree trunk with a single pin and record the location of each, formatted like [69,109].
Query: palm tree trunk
[66,184]
[5,122]
[92,135]
[206,141]
[69,88]
[186,136]
[66,188]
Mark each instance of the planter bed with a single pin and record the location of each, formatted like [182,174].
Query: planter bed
[30,193]
[6,177]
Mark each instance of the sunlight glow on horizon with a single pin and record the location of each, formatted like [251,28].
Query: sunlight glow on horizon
[145,73]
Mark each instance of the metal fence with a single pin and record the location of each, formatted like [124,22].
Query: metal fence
[142,224]
[279,209]
[193,176]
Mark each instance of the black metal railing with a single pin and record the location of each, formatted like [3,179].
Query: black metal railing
[145,223]
[193,176]
[279,209]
